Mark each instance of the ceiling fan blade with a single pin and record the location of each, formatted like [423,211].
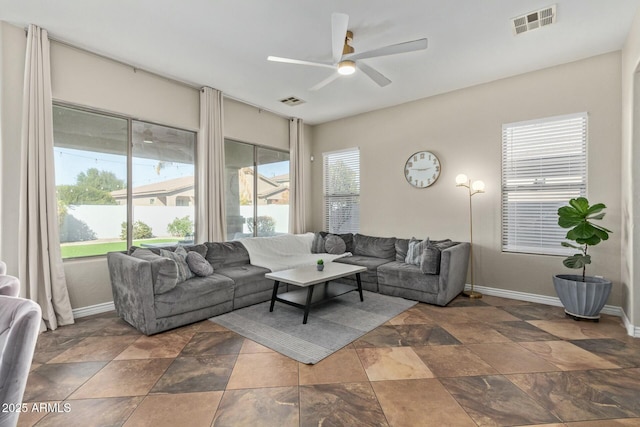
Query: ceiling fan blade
[339,24]
[325,82]
[393,49]
[374,75]
[299,62]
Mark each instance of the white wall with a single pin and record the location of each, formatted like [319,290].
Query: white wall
[631,173]
[463,128]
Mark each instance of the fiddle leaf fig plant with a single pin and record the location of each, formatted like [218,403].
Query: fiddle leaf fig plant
[578,217]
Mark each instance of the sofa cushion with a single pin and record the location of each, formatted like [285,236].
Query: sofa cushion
[334,245]
[194,294]
[402,246]
[431,255]
[247,279]
[226,254]
[164,271]
[198,264]
[371,263]
[317,246]
[200,248]
[180,258]
[377,247]
[408,276]
[414,250]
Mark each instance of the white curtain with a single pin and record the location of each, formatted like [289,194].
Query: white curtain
[211,215]
[41,271]
[296,179]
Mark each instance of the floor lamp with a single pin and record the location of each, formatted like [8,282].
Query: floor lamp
[474,188]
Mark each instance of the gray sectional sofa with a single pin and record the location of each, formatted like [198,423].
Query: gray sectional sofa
[150,294]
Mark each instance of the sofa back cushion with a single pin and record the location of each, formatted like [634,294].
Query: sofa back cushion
[378,247]
[402,247]
[432,254]
[164,271]
[226,254]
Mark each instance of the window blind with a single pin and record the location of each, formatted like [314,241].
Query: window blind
[544,164]
[341,177]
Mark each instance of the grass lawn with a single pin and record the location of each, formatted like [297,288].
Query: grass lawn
[93,249]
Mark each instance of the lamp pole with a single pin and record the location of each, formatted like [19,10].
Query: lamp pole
[473,188]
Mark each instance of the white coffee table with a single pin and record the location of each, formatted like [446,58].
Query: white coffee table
[308,277]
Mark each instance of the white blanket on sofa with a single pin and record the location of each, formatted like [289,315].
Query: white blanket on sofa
[284,251]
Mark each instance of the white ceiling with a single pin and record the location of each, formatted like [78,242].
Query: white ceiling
[225,43]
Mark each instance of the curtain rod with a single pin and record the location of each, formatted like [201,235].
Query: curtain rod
[187,84]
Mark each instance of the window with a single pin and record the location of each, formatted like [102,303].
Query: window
[341,176]
[257,190]
[94,156]
[544,164]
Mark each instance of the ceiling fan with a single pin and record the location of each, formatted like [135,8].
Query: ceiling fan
[345,60]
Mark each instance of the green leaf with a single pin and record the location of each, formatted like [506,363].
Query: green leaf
[580,204]
[581,231]
[602,234]
[577,261]
[591,241]
[596,208]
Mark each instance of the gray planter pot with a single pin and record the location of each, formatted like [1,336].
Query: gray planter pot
[582,300]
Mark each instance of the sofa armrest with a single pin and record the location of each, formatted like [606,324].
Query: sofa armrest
[132,287]
[454,263]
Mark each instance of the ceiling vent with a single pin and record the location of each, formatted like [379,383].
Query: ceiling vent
[292,101]
[534,20]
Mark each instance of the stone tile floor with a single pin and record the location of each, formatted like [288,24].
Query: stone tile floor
[487,362]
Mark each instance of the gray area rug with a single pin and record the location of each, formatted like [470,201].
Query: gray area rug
[331,325]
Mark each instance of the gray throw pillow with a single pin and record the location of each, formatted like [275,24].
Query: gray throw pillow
[317,246]
[164,272]
[198,264]
[414,250]
[183,268]
[432,254]
[334,245]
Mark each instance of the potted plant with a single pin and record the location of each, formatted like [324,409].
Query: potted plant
[582,296]
[320,264]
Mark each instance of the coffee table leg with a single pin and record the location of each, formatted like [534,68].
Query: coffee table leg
[359,286]
[308,304]
[273,295]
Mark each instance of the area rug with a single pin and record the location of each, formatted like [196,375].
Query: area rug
[331,325]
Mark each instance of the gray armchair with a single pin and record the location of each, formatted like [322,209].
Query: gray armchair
[19,326]
[9,286]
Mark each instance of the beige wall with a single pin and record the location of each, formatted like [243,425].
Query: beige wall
[463,129]
[88,80]
[631,174]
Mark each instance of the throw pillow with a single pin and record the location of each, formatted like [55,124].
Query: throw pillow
[432,254]
[164,272]
[183,268]
[414,250]
[334,245]
[317,246]
[198,264]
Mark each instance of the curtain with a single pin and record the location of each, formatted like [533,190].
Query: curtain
[40,263]
[296,166]
[211,215]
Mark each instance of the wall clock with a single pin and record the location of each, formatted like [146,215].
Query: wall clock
[422,169]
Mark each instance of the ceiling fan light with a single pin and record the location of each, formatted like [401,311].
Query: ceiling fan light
[346,67]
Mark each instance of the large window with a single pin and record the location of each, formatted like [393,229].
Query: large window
[544,164]
[257,190]
[341,177]
[96,155]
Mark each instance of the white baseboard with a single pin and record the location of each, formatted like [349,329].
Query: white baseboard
[632,330]
[93,309]
[612,310]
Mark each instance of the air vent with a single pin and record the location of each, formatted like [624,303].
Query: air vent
[292,101]
[534,20]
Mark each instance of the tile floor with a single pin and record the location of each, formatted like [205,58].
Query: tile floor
[488,362]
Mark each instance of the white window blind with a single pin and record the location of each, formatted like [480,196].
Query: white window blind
[544,164]
[341,177]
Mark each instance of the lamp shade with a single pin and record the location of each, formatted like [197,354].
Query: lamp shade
[461,179]
[346,67]
[478,186]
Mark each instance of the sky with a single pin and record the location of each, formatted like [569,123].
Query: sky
[69,163]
